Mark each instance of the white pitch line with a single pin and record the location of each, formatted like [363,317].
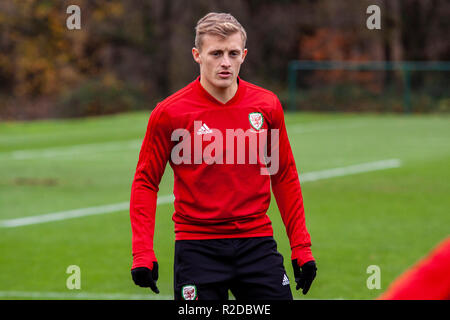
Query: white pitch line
[72,150]
[349,170]
[306,177]
[83,295]
[70,214]
[136,143]
[96,296]
[304,128]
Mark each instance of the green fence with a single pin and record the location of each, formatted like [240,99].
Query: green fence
[403,72]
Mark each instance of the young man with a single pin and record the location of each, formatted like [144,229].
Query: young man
[215,133]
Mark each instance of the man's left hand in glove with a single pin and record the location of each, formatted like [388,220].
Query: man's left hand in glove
[304,275]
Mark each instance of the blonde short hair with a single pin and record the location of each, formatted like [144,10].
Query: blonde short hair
[220,24]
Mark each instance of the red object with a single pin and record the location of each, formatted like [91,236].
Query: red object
[429,279]
[228,200]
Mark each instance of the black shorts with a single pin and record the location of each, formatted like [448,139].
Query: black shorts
[251,268]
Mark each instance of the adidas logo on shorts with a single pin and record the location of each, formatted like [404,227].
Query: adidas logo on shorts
[285,280]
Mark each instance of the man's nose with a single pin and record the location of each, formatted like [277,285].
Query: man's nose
[225,62]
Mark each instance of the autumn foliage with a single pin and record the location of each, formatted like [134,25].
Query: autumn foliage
[130,54]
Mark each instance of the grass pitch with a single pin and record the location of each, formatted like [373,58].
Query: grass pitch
[389,218]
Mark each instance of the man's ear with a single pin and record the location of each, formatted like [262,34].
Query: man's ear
[196,55]
[244,54]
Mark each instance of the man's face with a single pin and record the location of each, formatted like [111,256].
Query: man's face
[220,59]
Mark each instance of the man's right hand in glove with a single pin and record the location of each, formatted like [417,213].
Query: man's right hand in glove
[146,278]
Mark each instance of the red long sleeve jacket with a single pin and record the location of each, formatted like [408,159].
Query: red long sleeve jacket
[221,182]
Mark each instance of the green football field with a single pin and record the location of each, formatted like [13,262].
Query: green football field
[375,187]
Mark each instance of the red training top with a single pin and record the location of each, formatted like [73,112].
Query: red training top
[218,193]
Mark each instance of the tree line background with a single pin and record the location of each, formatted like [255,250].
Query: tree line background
[129,55]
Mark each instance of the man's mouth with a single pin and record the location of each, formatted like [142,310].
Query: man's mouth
[225,74]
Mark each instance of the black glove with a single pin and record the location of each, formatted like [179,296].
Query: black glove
[144,277]
[305,275]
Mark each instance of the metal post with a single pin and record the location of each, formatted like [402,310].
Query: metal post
[292,86]
[407,108]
